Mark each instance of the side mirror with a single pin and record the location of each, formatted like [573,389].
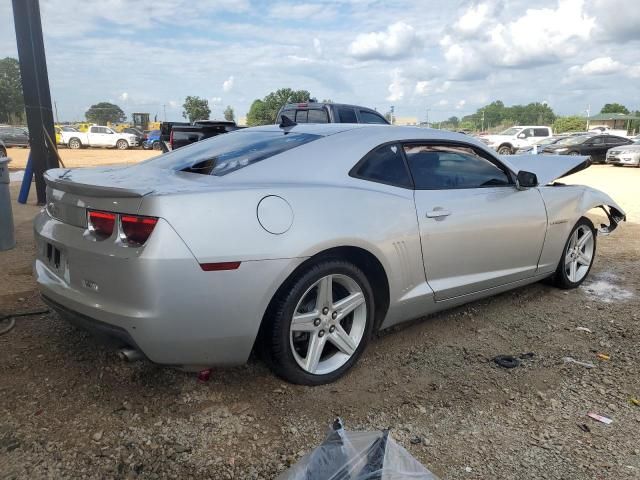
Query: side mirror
[526,180]
[522,135]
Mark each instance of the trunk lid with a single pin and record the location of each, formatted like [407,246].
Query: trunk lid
[547,167]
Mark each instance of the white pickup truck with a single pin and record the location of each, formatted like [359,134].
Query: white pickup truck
[98,136]
[507,142]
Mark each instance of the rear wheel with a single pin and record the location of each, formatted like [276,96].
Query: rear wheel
[75,143]
[321,325]
[122,145]
[157,146]
[577,256]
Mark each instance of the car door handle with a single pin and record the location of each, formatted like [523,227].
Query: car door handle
[438,212]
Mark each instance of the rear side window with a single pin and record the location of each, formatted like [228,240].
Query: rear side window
[318,116]
[384,165]
[369,117]
[435,167]
[540,132]
[347,115]
[227,153]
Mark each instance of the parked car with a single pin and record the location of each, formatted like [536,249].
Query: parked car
[152,141]
[140,136]
[98,136]
[14,136]
[625,155]
[595,146]
[507,142]
[303,241]
[539,145]
[320,112]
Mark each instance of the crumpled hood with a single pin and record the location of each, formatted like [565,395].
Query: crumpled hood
[547,167]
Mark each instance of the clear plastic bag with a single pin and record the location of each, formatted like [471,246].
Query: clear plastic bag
[347,455]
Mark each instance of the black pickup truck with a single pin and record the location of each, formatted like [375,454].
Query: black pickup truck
[179,134]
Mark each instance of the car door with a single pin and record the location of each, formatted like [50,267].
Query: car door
[477,229]
[97,136]
[596,148]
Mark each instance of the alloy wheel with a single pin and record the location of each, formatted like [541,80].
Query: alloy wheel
[579,254]
[328,324]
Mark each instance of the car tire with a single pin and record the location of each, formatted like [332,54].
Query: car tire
[284,344]
[573,153]
[156,146]
[3,152]
[122,144]
[75,143]
[571,270]
[505,150]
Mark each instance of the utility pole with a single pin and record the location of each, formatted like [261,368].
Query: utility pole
[35,87]
[428,109]
[164,108]
[55,106]
[482,127]
[392,115]
[588,115]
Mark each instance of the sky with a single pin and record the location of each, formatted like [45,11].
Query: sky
[431,57]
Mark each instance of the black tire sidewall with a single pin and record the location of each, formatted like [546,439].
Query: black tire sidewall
[561,279]
[281,356]
[122,142]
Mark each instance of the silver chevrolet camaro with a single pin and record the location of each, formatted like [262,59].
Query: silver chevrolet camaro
[300,241]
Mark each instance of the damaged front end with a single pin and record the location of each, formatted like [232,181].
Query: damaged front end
[614,215]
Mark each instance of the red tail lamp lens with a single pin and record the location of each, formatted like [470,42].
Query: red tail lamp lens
[136,228]
[102,223]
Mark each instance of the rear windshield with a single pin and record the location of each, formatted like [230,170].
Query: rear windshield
[229,152]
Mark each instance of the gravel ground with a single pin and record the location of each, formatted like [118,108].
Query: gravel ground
[71,409]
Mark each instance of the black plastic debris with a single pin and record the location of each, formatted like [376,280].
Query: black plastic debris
[347,455]
[506,361]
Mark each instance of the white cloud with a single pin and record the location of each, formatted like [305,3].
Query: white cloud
[422,87]
[124,96]
[302,11]
[617,20]
[598,66]
[317,46]
[460,104]
[539,36]
[227,85]
[443,102]
[399,40]
[397,86]
[174,104]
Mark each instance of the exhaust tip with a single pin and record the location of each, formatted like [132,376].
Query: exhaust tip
[130,354]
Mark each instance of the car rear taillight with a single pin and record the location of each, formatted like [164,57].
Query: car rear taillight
[101,223]
[171,139]
[136,228]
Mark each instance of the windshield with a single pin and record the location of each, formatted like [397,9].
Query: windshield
[548,141]
[511,131]
[229,152]
[573,140]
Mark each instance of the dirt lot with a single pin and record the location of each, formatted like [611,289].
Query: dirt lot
[86,157]
[71,409]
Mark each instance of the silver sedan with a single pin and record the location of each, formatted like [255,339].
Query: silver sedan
[300,241]
[625,155]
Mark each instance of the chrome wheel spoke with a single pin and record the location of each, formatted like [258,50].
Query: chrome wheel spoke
[343,342]
[573,267]
[348,304]
[584,259]
[303,322]
[586,236]
[314,352]
[325,293]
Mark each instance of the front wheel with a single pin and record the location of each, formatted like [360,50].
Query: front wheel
[577,256]
[122,145]
[321,325]
[156,146]
[505,150]
[75,144]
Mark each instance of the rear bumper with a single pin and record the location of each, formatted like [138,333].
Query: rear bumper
[156,298]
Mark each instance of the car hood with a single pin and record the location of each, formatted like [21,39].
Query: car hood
[626,148]
[496,138]
[547,167]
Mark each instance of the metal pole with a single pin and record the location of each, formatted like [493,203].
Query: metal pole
[35,88]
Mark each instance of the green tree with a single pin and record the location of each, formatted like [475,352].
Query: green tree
[264,112]
[104,112]
[11,100]
[614,108]
[196,108]
[229,114]
[570,124]
[496,115]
